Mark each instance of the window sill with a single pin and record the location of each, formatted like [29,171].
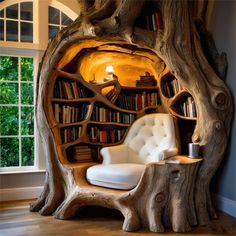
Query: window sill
[14,172]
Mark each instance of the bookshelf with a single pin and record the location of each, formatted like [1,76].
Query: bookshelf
[180,104]
[150,18]
[87,116]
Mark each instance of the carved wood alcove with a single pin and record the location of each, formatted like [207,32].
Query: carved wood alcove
[106,32]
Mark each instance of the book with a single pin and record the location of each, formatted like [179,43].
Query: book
[82,153]
[146,80]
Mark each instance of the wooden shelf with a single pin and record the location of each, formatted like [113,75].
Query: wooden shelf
[140,88]
[109,123]
[180,159]
[94,98]
[61,100]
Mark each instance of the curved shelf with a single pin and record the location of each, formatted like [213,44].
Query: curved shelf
[106,144]
[73,100]
[170,86]
[64,146]
[60,126]
[139,88]
[183,106]
[181,116]
[178,96]
[109,123]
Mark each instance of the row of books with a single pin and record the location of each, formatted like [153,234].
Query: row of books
[173,87]
[154,22]
[82,154]
[70,134]
[66,114]
[188,108]
[106,136]
[138,101]
[103,114]
[111,95]
[68,90]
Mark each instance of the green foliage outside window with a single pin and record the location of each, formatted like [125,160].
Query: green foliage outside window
[16,111]
[8,68]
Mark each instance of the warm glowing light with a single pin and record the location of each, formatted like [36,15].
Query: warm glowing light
[110,73]
[110,70]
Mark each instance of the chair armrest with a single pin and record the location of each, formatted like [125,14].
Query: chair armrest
[167,153]
[115,154]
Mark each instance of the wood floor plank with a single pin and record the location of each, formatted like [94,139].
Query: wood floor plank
[17,220]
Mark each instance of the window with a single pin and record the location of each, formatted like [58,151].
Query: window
[16,22]
[23,40]
[16,111]
[56,21]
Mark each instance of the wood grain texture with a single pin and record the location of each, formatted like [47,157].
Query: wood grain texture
[168,195]
[16,220]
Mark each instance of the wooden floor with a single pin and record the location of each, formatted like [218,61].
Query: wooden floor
[15,219]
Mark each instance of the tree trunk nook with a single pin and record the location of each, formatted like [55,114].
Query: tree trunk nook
[168,195]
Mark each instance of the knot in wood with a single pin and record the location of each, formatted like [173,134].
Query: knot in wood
[220,99]
[218,125]
[175,175]
[160,197]
[98,30]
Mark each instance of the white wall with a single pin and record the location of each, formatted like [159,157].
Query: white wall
[72,4]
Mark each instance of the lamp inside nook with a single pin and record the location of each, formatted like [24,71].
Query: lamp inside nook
[110,73]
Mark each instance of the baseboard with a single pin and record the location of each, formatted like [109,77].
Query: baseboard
[226,205]
[11,194]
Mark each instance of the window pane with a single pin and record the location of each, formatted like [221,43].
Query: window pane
[26,30]
[27,151]
[1,30]
[27,120]
[26,11]
[2,13]
[27,93]
[8,68]
[27,69]
[11,30]
[12,11]
[53,16]
[52,30]
[9,152]
[65,20]
[9,121]
[8,93]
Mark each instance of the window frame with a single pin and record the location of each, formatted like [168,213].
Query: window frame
[38,165]
[36,50]
[18,20]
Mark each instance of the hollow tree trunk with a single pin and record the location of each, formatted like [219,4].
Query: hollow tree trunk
[180,48]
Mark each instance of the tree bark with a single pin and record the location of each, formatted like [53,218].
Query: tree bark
[181,195]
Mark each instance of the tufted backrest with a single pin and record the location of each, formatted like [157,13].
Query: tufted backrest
[148,136]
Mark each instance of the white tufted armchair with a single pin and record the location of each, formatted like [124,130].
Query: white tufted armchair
[150,139]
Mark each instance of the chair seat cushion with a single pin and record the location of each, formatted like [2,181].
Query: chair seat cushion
[117,176]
